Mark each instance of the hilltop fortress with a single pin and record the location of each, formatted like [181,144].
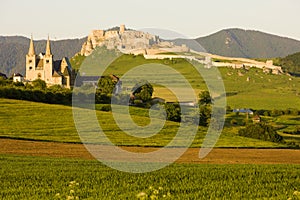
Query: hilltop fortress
[122,39]
[127,41]
[152,47]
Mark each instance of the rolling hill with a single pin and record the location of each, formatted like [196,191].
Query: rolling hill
[248,44]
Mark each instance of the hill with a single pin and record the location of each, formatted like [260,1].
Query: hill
[229,42]
[243,86]
[14,48]
[291,63]
[248,44]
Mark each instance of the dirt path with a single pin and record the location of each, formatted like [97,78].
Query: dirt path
[216,156]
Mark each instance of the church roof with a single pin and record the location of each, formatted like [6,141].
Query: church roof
[48,48]
[40,64]
[17,74]
[56,74]
[31,51]
[66,72]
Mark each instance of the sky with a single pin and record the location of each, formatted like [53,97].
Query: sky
[64,19]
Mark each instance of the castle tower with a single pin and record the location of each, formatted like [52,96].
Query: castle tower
[30,62]
[122,28]
[48,62]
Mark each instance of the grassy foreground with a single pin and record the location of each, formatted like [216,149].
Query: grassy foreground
[49,178]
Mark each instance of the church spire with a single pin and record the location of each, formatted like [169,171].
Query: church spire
[48,48]
[31,51]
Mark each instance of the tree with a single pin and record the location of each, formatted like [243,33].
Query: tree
[204,115]
[261,131]
[39,84]
[106,85]
[143,91]
[205,98]
[173,112]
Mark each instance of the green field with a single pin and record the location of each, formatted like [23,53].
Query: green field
[45,122]
[262,91]
[43,178]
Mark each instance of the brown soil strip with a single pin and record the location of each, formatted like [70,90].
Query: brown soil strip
[216,156]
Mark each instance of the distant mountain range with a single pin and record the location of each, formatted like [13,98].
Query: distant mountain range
[229,42]
[14,48]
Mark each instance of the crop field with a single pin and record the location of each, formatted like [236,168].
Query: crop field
[57,178]
[45,122]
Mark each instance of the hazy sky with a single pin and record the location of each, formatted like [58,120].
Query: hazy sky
[192,18]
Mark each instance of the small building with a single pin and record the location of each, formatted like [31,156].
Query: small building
[256,119]
[17,77]
[243,111]
[158,100]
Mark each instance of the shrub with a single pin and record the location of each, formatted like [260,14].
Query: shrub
[173,112]
[261,131]
[233,122]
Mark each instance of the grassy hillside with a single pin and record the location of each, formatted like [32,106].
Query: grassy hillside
[262,91]
[248,44]
[291,63]
[55,123]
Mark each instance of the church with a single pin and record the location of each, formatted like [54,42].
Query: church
[43,67]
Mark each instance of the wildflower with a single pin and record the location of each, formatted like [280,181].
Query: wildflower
[160,188]
[70,197]
[141,195]
[296,193]
[72,183]
[155,192]
[72,191]
[57,194]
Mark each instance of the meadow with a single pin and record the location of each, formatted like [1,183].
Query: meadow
[25,177]
[245,88]
[28,177]
[46,122]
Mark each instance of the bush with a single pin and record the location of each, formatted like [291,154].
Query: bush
[233,122]
[173,112]
[105,108]
[261,131]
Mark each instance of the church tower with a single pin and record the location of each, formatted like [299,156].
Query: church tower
[48,62]
[30,62]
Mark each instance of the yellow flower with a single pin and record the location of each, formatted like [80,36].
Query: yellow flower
[70,197]
[141,195]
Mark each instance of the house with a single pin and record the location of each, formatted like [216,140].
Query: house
[244,111]
[157,100]
[256,119]
[18,77]
[87,80]
[93,81]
